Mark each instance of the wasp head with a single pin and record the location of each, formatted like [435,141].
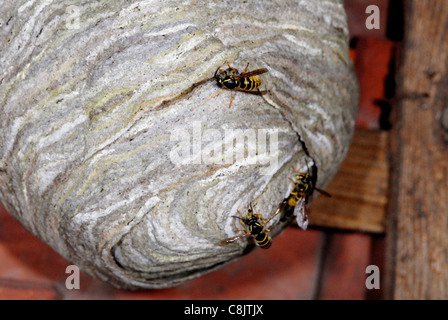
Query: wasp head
[227,78]
[219,76]
[303,178]
[303,183]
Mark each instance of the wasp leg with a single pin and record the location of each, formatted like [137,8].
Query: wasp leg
[233,69]
[262,92]
[259,217]
[231,240]
[231,99]
[293,182]
[280,208]
[255,93]
[247,234]
[295,171]
[247,66]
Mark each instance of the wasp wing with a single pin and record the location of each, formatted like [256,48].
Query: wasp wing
[280,209]
[301,215]
[256,93]
[251,73]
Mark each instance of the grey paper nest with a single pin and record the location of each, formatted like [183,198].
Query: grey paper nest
[113,145]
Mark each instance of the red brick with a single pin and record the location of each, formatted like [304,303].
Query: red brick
[346,259]
[372,67]
[287,270]
[23,290]
[90,289]
[356,13]
[24,257]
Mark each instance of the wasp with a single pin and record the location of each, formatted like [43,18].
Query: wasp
[247,82]
[300,194]
[257,230]
[306,184]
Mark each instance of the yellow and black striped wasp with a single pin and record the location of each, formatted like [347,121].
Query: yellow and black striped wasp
[247,82]
[306,183]
[257,230]
[300,194]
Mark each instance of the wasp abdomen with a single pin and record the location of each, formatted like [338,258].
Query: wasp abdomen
[293,199]
[263,240]
[250,83]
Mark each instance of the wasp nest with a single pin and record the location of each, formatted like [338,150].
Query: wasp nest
[119,150]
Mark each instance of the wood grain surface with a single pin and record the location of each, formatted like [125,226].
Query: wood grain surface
[418,228]
[360,188]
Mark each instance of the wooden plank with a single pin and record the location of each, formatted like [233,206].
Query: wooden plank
[360,188]
[417,235]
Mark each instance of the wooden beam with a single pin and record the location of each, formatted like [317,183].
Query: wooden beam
[360,188]
[417,235]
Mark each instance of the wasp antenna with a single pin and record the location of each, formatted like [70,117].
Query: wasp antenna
[216,72]
[307,166]
[325,193]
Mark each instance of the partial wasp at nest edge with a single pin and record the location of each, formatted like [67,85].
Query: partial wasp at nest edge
[299,196]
